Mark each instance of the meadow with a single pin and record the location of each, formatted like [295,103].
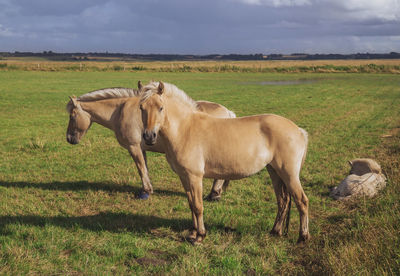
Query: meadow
[72,209]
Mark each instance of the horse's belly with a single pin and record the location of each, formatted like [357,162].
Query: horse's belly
[236,167]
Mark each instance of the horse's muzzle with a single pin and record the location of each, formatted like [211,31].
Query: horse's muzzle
[72,139]
[150,137]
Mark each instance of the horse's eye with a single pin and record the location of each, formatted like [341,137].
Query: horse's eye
[141,107]
[161,109]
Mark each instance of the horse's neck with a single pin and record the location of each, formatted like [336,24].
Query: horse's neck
[177,122]
[103,111]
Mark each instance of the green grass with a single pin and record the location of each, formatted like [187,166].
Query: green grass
[71,209]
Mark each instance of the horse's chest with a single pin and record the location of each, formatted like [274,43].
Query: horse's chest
[185,163]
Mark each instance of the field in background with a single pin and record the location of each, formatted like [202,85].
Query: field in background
[319,66]
[72,210]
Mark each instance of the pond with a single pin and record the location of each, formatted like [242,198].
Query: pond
[283,82]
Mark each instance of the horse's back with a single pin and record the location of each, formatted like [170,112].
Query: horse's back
[215,109]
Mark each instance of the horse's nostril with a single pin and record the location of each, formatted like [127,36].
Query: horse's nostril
[153,135]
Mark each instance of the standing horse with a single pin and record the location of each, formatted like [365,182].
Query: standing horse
[118,110]
[198,145]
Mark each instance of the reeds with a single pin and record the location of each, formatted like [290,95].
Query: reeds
[319,66]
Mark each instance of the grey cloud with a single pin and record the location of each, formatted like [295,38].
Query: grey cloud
[53,7]
[200,27]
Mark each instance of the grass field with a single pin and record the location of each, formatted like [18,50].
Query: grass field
[72,210]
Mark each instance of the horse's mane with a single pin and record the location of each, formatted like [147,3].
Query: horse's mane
[109,93]
[106,93]
[170,91]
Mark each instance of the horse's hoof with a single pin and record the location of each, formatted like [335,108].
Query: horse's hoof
[200,238]
[303,239]
[213,197]
[191,239]
[192,235]
[275,233]
[144,195]
[196,243]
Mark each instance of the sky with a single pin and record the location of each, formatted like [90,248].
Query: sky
[201,26]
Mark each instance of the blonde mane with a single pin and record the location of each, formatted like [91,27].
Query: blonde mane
[106,93]
[109,93]
[170,91]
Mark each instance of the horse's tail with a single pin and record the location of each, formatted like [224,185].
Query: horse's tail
[287,219]
[231,114]
[305,134]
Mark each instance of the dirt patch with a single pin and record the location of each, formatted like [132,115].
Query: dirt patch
[251,272]
[228,229]
[157,258]
[151,261]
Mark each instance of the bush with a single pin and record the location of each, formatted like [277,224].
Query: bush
[118,68]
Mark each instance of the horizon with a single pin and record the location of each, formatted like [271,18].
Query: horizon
[49,52]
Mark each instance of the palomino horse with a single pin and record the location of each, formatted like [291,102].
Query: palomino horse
[118,110]
[198,145]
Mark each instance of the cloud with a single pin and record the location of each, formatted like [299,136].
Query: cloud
[361,9]
[277,3]
[200,27]
[5,32]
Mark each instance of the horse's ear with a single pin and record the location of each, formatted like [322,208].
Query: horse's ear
[74,101]
[160,88]
[350,163]
[139,85]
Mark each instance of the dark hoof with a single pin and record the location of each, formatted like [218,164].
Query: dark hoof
[191,239]
[199,239]
[213,197]
[192,234]
[303,239]
[275,233]
[143,195]
[196,243]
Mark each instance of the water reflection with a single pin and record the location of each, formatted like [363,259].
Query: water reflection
[283,82]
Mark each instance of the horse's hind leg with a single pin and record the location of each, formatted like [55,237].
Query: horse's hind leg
[282,199]
[218,187]
[139,157]
[295,189]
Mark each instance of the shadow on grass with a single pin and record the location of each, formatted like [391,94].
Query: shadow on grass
[84,185]
[108,221]
[319,188]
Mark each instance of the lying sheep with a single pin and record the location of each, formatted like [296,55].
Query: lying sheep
[365,179]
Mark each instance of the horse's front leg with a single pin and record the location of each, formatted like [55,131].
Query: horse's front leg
[139,157]
[194,190]
[192,232]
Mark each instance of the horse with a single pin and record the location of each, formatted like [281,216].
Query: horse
[118,110]
[198,145]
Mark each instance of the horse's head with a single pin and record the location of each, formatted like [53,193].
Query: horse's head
[153,114]
[79,121]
